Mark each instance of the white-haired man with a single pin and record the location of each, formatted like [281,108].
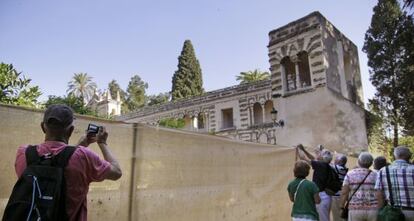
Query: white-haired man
[401,176]
[320,165]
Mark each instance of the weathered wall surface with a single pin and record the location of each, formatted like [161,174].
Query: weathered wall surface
[168,175]
[329,119]
[108,200]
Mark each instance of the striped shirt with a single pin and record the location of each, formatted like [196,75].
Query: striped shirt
[364,198]
[402,183]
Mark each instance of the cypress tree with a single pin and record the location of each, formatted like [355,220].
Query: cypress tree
[389,47]
[187,80]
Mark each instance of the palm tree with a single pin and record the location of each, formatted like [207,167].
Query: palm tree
[252,76]
[82,86]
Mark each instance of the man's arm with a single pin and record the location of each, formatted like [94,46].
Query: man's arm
[308,157]
[115,171]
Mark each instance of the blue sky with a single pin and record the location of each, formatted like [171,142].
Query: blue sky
[49,40]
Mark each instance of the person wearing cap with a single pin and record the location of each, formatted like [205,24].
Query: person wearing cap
[84,166]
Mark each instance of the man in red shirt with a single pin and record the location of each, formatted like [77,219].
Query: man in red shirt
[83,167]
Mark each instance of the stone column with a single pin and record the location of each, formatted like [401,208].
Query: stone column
[284,80]
[194,123]
[251,115]
[263,112]
[206,121]
[298,84]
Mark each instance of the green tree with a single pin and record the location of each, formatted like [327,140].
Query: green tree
[75,103]
[377,139]
[15,88]
[388,59]
[136,97]
[407,77]
[160,98]
[252,76]
[172,123]
[82,86]
[187,80]
[114,88]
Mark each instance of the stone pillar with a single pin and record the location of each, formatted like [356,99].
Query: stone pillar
[206,121]
[194,123]
[251,115]
[298,84]
[263,112]
[284,80]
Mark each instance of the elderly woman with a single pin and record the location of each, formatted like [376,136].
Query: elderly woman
[359,190]
[303,193]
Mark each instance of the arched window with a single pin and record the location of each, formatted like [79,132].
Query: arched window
[290,73]
[258,113]
[201,121]
[268,109]
[304,72]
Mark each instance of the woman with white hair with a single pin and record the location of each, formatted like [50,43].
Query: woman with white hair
[358,191]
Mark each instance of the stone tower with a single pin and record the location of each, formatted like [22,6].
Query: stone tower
[316,85]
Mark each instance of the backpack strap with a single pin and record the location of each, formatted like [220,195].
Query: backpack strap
[32,156]
[62,159]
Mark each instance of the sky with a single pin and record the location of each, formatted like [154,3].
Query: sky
[49,40]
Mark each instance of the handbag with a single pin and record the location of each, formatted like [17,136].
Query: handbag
[390,212]
[345,210]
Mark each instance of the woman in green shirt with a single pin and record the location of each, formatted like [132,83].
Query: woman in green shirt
[303,193]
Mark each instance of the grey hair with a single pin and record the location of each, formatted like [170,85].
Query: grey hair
[326,156]
[365,160]
[341,159]
[402,152]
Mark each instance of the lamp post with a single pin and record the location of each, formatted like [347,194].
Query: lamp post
[276,123]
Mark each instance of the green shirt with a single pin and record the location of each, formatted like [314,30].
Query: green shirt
[304,205]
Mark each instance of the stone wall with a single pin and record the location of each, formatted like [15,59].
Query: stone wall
[168,174]
[107,200]
[322,117]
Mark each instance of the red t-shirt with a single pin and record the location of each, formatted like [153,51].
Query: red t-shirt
[83,168]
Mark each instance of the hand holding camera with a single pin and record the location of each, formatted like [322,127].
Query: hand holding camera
[98,132]
[94,133]
[102,135]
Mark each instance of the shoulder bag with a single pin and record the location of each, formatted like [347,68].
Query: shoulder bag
[390,212]
[345,210]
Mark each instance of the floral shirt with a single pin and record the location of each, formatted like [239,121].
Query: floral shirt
[365,197]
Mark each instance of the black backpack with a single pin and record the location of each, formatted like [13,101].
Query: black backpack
[333,183]
[40,190]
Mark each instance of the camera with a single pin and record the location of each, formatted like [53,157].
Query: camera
[93,129]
